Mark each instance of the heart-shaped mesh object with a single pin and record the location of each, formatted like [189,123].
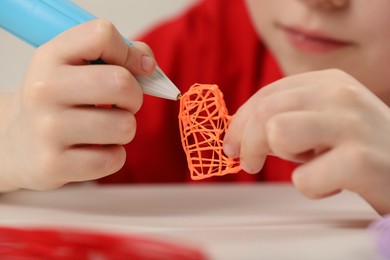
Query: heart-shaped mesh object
[203,120]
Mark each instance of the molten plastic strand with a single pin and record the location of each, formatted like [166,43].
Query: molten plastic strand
[203,120]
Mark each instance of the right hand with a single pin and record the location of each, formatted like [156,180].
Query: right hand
[329,123]
[52,129]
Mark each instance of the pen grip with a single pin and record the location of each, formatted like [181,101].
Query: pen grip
[38,21]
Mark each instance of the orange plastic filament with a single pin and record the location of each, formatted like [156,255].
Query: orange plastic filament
[203,120]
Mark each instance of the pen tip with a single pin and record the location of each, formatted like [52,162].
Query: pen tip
[178,96]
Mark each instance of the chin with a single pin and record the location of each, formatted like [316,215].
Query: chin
[299,65]
[289,68]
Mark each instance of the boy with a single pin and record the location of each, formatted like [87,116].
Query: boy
[306,79]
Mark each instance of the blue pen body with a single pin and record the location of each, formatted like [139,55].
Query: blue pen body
[38,21]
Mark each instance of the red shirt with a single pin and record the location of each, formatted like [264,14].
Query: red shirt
[214,43]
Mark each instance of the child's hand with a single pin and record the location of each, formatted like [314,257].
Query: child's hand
[51,131]
[327,121]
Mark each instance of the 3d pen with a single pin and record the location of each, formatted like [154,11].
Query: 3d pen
[38,21]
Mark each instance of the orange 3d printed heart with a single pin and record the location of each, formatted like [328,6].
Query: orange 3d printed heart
[203,120]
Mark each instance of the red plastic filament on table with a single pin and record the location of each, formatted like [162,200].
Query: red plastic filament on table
[203,120]
[68,244]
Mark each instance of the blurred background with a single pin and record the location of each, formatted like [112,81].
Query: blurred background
[131,17]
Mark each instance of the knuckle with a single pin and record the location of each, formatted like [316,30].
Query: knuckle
[103,27]
[358,155]
[276,126]
[135,98]
[352,123]
[345,89]
[277,135]
[263,109]
[127,86]
[122,79]
[344,93]
[36,93]
[127,128]
[348,91]
[138,100]
[112,162]
[100,166]
[336,72]
[144,47]
[103,30]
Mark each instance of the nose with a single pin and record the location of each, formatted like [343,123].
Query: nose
[327,4]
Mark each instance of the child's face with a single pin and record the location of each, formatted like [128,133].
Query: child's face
[354,37]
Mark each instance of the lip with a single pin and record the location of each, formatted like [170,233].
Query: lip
[313,41]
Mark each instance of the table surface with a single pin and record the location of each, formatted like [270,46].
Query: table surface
[225,221]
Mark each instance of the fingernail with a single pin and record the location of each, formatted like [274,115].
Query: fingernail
[147,63]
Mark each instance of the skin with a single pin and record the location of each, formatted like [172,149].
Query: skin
[331,112]
[51,131]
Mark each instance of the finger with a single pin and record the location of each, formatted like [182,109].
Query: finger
[323,176]
[259,110]
[93,125]
[353,167]
[144,47]
[99,39]
[233,135]
[76,164]
[234,132]
[103,84]
[253,145]
[91,162]
[322,79]
[301,135]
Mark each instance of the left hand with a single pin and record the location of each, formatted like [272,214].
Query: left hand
[330,123]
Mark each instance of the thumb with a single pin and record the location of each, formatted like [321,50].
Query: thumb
[140,60]
[144,48]
[100,40]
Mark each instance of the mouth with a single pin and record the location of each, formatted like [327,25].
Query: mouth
[313,41]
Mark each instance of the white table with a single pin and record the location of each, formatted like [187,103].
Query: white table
[225,221]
